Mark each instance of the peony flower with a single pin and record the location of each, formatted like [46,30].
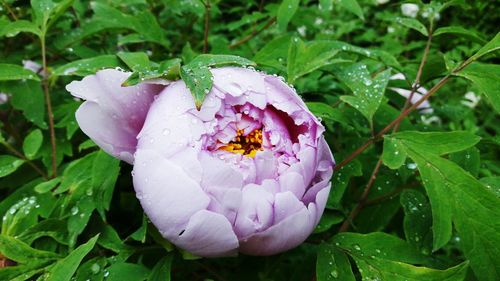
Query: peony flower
[249,172]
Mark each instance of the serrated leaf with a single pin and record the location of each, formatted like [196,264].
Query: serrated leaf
[285,13]
[64,269]
[458,30]
[413,24]
[16,72]
[304,58]
[32,143]
[367,92]
[333,264]
[9,164]
[88,66]
[487,78]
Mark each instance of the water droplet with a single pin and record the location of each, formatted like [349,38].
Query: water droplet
[95,268]
[334,273]
[166,132]
[357,247]
[74,210]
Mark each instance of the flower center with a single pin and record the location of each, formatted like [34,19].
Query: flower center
[246,145]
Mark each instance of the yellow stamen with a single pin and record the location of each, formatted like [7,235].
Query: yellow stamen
[247,145]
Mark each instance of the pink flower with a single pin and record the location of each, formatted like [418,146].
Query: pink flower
[250,172]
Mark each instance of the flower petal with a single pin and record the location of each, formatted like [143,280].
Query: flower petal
[168,195]
[113,115]
[208,234]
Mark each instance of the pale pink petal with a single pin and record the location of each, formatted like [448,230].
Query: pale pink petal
[208,234]
[168,194]
[113,115]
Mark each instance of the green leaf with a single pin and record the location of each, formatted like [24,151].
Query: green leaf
[32,143]
[304,58]
[168,70]
[413,24]
[127,272]
[46,12]
[333,264]
[47,185]
[105,171]
[458,30]
[88,66]
[328,219]
[456,194]
[64,269]
[161,271]
[326,112]
[487,78]
[21,252]
[436,142]
[14,28]
[379,245]
[208,60]
[341,180]
[380,269]
[418,219]
[54,228]
[491,46]
[28,97]
[274,53]
[16,72]
[367,92]
[394,154]
[136,61]
[199,82]
[9,164]
[285,13]
[353,7]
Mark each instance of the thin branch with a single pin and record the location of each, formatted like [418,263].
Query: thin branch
[207,26]
[362,201]
[253,34]
[9,9]
[23,157]
[49,107]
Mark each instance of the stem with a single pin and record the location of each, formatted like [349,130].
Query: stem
[12,14]
[49,107]
[253,34]
[207,26]
[363,199]
[20,155]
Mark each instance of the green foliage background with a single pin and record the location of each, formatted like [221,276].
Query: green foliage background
[420,204]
